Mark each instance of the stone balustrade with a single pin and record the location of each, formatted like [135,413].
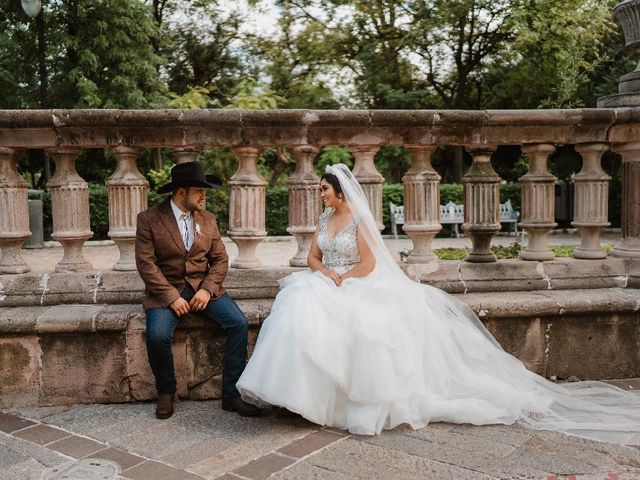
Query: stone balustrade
[64,134]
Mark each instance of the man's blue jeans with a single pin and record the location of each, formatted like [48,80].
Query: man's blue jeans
[161,322]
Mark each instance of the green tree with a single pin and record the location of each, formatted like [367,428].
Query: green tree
[105,59]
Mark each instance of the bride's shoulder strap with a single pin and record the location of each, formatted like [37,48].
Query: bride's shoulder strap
[325,215]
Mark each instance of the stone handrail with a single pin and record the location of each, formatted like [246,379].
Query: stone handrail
[65,133]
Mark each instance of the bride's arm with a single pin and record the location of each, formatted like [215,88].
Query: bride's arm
[367,260]
[314,261]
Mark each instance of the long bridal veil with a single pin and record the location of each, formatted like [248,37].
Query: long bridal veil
[463,371]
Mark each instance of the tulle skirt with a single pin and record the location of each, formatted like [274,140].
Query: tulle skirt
[368,356]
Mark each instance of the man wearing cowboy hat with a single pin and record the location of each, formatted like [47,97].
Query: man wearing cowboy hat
[182,261]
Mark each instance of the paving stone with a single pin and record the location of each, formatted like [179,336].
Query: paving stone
[248,450]
[196,452]
[304,471]
[9,457]
[123,426]
[124,459]
[29,469]
[617,475]
[11,423]
[311,443]
[76,447]
[210,419]
[42,455]
[85,419]
[529,462]
[159,440]
[360,459]
[262,468]
[151,470]
[40,413]
[514,435]
[447,447]
[41,434]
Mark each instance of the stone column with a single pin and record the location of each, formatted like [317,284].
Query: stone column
[481,204]
[370,179]
[14,213]
[127,197]
[304,202]
[185,154]
[591,200]
[247,208]
[538,202]
[421,203]
[70,211]
[629,246]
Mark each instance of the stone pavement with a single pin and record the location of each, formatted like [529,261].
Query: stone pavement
[276,251]
[201,441]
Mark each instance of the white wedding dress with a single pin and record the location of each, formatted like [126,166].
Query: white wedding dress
[382,350]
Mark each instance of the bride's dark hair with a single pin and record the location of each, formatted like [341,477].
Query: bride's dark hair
[334,182]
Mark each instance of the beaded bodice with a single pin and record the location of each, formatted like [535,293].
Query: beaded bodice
[341,250]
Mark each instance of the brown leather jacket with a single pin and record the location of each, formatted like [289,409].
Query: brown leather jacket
[164,264]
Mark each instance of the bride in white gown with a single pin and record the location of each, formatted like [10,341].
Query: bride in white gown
[355,344]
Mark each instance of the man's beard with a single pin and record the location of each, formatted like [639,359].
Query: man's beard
[192,207]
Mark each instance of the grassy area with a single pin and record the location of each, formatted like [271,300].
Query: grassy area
[509,251]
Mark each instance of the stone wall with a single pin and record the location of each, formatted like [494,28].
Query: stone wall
[79,338]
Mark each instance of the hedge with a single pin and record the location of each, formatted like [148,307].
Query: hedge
[276,205]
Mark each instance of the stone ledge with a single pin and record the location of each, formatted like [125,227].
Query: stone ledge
[171,128]
[110,287]
[103,318]
[494,305]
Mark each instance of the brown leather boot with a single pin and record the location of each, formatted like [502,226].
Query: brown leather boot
[164,407]
[243,408]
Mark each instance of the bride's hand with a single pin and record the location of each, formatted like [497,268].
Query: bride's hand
[333,276]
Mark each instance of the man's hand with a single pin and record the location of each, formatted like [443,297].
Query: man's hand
[200,300]
[180,306]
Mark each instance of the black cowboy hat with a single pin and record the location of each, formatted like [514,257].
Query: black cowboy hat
[190,174]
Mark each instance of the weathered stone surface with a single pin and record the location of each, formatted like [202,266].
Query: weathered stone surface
[19,371]
[204,355]
[19,319]
[593,346]
[67,318]
[524,340]
[506,275]
[91,367]
[117,317]
[140,377]
[566,273]
[170,128]
[364,460]
[111,287]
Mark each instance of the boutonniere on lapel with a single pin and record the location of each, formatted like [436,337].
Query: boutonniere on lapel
[198,231]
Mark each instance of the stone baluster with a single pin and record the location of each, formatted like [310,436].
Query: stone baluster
[304,202]
[14,213]
[629,246]
[591,200]
[247,208]
[421,203]
[481,204]
[185,154]
[370,179]
[538,202]
[127,197]
[70,211]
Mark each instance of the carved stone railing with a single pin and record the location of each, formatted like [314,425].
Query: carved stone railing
[66,133]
